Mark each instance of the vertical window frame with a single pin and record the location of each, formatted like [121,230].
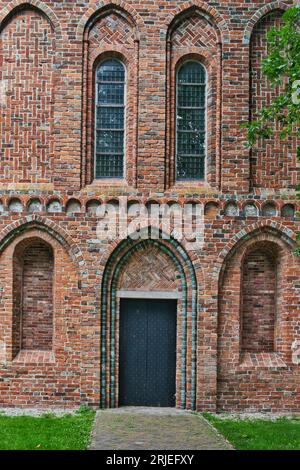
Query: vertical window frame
[177,70]
[96,106]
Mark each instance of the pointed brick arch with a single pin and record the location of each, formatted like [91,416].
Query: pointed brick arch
[272,227]
[188,308]
[201,8]
[29,37]
[274,163]
[43,224]
[259,14]
[99,9]
[195,33]
[109,30]
[8,12]
[256,285]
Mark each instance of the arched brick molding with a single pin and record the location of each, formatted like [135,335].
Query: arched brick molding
[29,33]
[102,7]
[194,34]
[241,358]
[16,5]
[208,11]
[110,31]
[45,225]
[186,394]
[263,226]
[273,163]
[260,13]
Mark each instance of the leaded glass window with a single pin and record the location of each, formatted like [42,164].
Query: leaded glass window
[190,121]
[110,119]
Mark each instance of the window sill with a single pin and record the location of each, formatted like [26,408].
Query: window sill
[116,184]
[193,186]
[34,357]
[261,360]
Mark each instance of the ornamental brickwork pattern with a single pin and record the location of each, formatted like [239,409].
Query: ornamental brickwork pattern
[237,295]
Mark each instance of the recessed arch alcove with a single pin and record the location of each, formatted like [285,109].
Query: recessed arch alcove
[33,276]
[257,280]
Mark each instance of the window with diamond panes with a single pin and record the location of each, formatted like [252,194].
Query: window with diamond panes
[110,119]
[190,121]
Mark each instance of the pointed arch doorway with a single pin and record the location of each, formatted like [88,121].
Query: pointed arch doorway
[161,274]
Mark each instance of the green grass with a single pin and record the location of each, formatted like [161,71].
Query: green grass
[259,434]
[46,432]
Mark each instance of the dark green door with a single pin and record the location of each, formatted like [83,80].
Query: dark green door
[147,366]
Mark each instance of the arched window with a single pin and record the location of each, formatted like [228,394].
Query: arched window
[110,119]
[190,121]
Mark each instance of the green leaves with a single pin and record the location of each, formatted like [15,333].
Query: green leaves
[282,67]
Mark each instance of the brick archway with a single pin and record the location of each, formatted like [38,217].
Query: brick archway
[186,388]
[259,14]
[202,8]
[99,8]
[254,328]
[249,232]
[37,5]
[44,225]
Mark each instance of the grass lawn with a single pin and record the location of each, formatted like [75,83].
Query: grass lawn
[46,432]
[259,434]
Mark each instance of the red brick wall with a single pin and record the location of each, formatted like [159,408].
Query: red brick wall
[27,58]
[273,163]
[150,38]
[37,297]
[259,297]
[249,377]
[17,304]
[47,55]
[42,377]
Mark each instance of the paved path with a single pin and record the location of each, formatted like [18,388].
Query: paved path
[131,428]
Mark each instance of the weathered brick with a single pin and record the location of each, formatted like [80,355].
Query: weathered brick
[239,318]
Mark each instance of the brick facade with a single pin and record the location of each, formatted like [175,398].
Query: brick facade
[238,309]
[28,77]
